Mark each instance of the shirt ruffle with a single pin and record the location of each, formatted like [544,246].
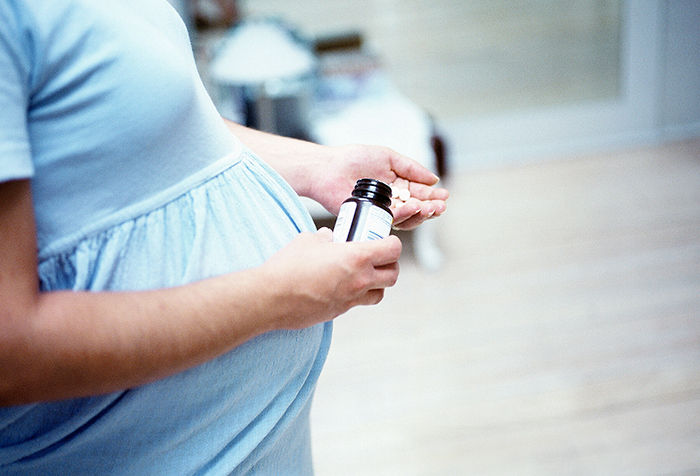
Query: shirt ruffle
[206,226]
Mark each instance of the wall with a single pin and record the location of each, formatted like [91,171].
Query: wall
[659,83]
[659,100]
[680,94]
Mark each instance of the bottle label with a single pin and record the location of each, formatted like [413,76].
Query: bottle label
[367,223]
[344,222]
[377,225]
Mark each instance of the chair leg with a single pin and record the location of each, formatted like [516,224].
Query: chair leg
[425,247]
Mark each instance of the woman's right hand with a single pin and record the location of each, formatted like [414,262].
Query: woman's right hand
[314,280]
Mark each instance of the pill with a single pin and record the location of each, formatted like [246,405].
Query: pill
[394,191]
[404,194]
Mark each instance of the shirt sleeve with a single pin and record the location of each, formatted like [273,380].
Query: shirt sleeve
[15,148]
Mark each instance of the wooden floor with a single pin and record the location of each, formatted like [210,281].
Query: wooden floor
[562,336]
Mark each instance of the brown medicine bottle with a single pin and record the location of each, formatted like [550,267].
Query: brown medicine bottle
[365,215]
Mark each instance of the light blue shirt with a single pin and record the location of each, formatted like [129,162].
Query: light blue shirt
[137,184]
[99,98]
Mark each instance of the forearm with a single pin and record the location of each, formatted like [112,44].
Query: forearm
[328,174]
[294,159]
[71,344]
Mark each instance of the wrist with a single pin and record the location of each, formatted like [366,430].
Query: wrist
[294,159]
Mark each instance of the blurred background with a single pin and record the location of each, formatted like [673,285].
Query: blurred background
[549,322]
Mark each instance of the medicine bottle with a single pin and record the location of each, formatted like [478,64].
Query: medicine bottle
[365,215]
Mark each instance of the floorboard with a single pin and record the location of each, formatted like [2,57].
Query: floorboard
[562,336]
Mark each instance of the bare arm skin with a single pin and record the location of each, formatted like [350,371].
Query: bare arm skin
[62,344]
[328,174]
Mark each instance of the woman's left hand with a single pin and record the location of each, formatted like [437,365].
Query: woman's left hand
[345,165]
[328,174]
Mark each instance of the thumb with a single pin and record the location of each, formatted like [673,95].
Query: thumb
[324,234]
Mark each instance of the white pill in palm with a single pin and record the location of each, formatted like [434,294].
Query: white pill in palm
[404,194]
[394,191]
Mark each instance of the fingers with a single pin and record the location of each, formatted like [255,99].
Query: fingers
[381,252]
[324,234]
[376,264]
[374,296]
[418,191]
[404,210]
[409,215]
[386,276]
[379,258]
[318,280]
[425,202]
[424,192]
[412,171]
